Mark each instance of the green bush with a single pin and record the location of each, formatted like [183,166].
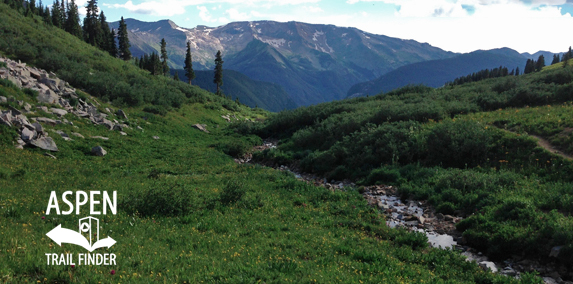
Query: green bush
[458,144]
[160,200]
[233,191]
[160,110]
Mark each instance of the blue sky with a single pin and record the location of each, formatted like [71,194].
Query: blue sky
[455,25]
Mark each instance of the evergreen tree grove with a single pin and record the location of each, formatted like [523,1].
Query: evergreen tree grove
[218,71]
[189,64]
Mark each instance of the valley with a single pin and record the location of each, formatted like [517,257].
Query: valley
[186,185]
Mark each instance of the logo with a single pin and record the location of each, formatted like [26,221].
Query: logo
[88,235]
[62,235]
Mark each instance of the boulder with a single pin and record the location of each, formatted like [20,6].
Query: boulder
[15,80]
[46,120]
[156,137]
[99,137]
[6,119]
[77,134]
[35,74]
[555,251]
[38,127]
[27,107]
[118,127]
[3,100]
[488,265]
[121,114]
[107,124]
[27,134]
[123,133]
[63,134]
[201,127]
[50,155]
[99,151]
[47,97]
[45,143]
[58,111]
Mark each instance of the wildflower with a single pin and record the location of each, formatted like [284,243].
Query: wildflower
[43,217]
[112,272]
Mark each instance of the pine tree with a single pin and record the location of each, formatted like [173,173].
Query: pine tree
[123,41]
[517,71]
[47,16]
[56,17]
[218,71]
[63,14]
[540,63]
[164,57]
[555,59]
[176,77]
[72,24]
[93,33]
[105,37]
[529,66]
[32,7]
[113,47]
[189,64]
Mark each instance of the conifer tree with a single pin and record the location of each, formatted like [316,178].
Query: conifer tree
[113,47]
[63,14]
[56,16]
[555,59]
[176,76]
[218,71]
[72,24]
[189,64]
[123,41]
[517,71]
[47,16]
[32,7]
[164,57]
[105,37]
[540,63]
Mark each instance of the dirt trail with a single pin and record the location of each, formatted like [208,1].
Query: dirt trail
[547,146]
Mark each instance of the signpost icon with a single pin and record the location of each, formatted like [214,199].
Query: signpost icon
[86,225]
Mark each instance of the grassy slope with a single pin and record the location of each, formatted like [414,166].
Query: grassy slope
[188,213]
[516,195]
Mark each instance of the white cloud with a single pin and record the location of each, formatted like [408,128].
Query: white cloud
[313,9]
[235,15]
[159,8]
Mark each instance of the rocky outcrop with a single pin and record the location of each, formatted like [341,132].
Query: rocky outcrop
[202,127]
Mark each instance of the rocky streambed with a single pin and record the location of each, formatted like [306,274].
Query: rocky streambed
[416,215]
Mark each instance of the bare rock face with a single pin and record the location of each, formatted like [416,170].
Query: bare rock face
[99,151]
[27,134]
[45,143]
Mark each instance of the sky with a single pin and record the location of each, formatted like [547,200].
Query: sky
[453,25]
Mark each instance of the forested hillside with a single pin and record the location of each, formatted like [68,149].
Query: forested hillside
[470,150]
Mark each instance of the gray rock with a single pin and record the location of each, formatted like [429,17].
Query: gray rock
[440,216]
[50,155]
[6,119]
[63,134]
[27,107]
[77,135]
[3,100]
[156,137]
[99,137]
[107,124]
[42,108]
[508,271]
[15,80]
[118,127]
[47,97]
[58,111]
[99,151]
[45,143]
[14,111]
[46,120]
[121,114]
[20,147]
[123,133]
[27,134]
[448,217]
[555,251]
[201,127]
[139,127]
[488,265]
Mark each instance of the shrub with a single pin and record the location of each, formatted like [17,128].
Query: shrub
[160,110]
[159,200]
[232,192]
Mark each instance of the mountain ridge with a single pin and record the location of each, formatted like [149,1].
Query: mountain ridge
[320,61]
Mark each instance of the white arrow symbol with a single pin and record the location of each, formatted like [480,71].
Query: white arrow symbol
[62,235]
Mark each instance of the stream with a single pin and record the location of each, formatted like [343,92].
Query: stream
[419,216]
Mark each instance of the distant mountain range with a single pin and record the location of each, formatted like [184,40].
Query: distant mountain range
[313,63]
[435,73]
[253,93]
[285,65]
